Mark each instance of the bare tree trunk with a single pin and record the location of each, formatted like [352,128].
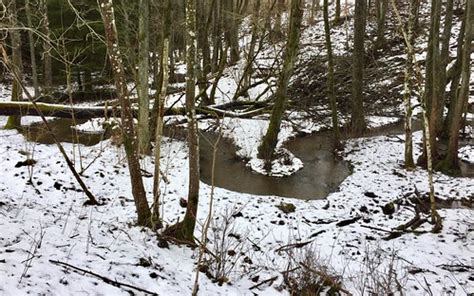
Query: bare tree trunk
[409,77]
[440,85]
[232,31]
[313,12]
[156,222]
[269,142]
[46,55]
[15,121]
[31,41]
[337,17]
[451,163]
[432,70]
[142,77]
[456,77]
[166,64]
[435,218]
[246,78]
[382,6]
[184,230]
[358,124]
[202,52]
[331,83]
[129,137]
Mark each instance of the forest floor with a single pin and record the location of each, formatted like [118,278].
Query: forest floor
[256,241]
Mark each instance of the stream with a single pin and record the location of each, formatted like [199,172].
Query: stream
[322,172]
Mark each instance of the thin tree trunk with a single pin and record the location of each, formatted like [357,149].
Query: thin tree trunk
[456,77]
[432,70]
[164,64]
[31,41]
[440,86]
[409,76]
[337,17]
[451,162]
[232,31]
[248,70]
[184,230]
[268,145]
[15,121]
[156,222]
[382,7]
[129,137]
[331,84]
[143,73]
[46,55]
[358,124]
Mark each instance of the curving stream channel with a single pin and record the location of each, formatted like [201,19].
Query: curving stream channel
[321,174]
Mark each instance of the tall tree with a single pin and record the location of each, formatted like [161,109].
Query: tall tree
[142,77]
[432,70]
[358,125]
[31,43]
[231,26]
[408,88]
[451,162]
[337,16]
[444,59]
[14,121]
[46,54]
[330,83]
[381,10]
[184,230]
[455,74]
[269,142]
[128,131]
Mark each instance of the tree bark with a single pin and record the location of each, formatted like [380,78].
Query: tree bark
[432,70]
[142,77]
[331,83]
[270,140]
[156,221]
[382,6]
[456,77]
[129,136]
[451,162]
[46,55]
[358,124]
[15,120]
[184,230]
[31,41]
[337,16]
[409,77]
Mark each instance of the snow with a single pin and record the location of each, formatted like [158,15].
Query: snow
[84,236]
[40,222]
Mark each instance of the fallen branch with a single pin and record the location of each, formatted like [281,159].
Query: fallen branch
[106,280]
[270,280]
[293,246]
[67,111]
[92,200]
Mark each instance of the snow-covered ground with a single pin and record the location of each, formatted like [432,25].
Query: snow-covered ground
[44,221]
[47,221]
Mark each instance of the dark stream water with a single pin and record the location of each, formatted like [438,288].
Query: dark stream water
[321,174]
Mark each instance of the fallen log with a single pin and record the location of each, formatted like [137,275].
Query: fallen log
[66,111]
[55,110]
[88,112]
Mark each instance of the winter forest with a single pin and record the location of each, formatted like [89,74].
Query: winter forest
[236,147]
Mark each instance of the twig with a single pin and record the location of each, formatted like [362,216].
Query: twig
[270,280]
[103,278]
